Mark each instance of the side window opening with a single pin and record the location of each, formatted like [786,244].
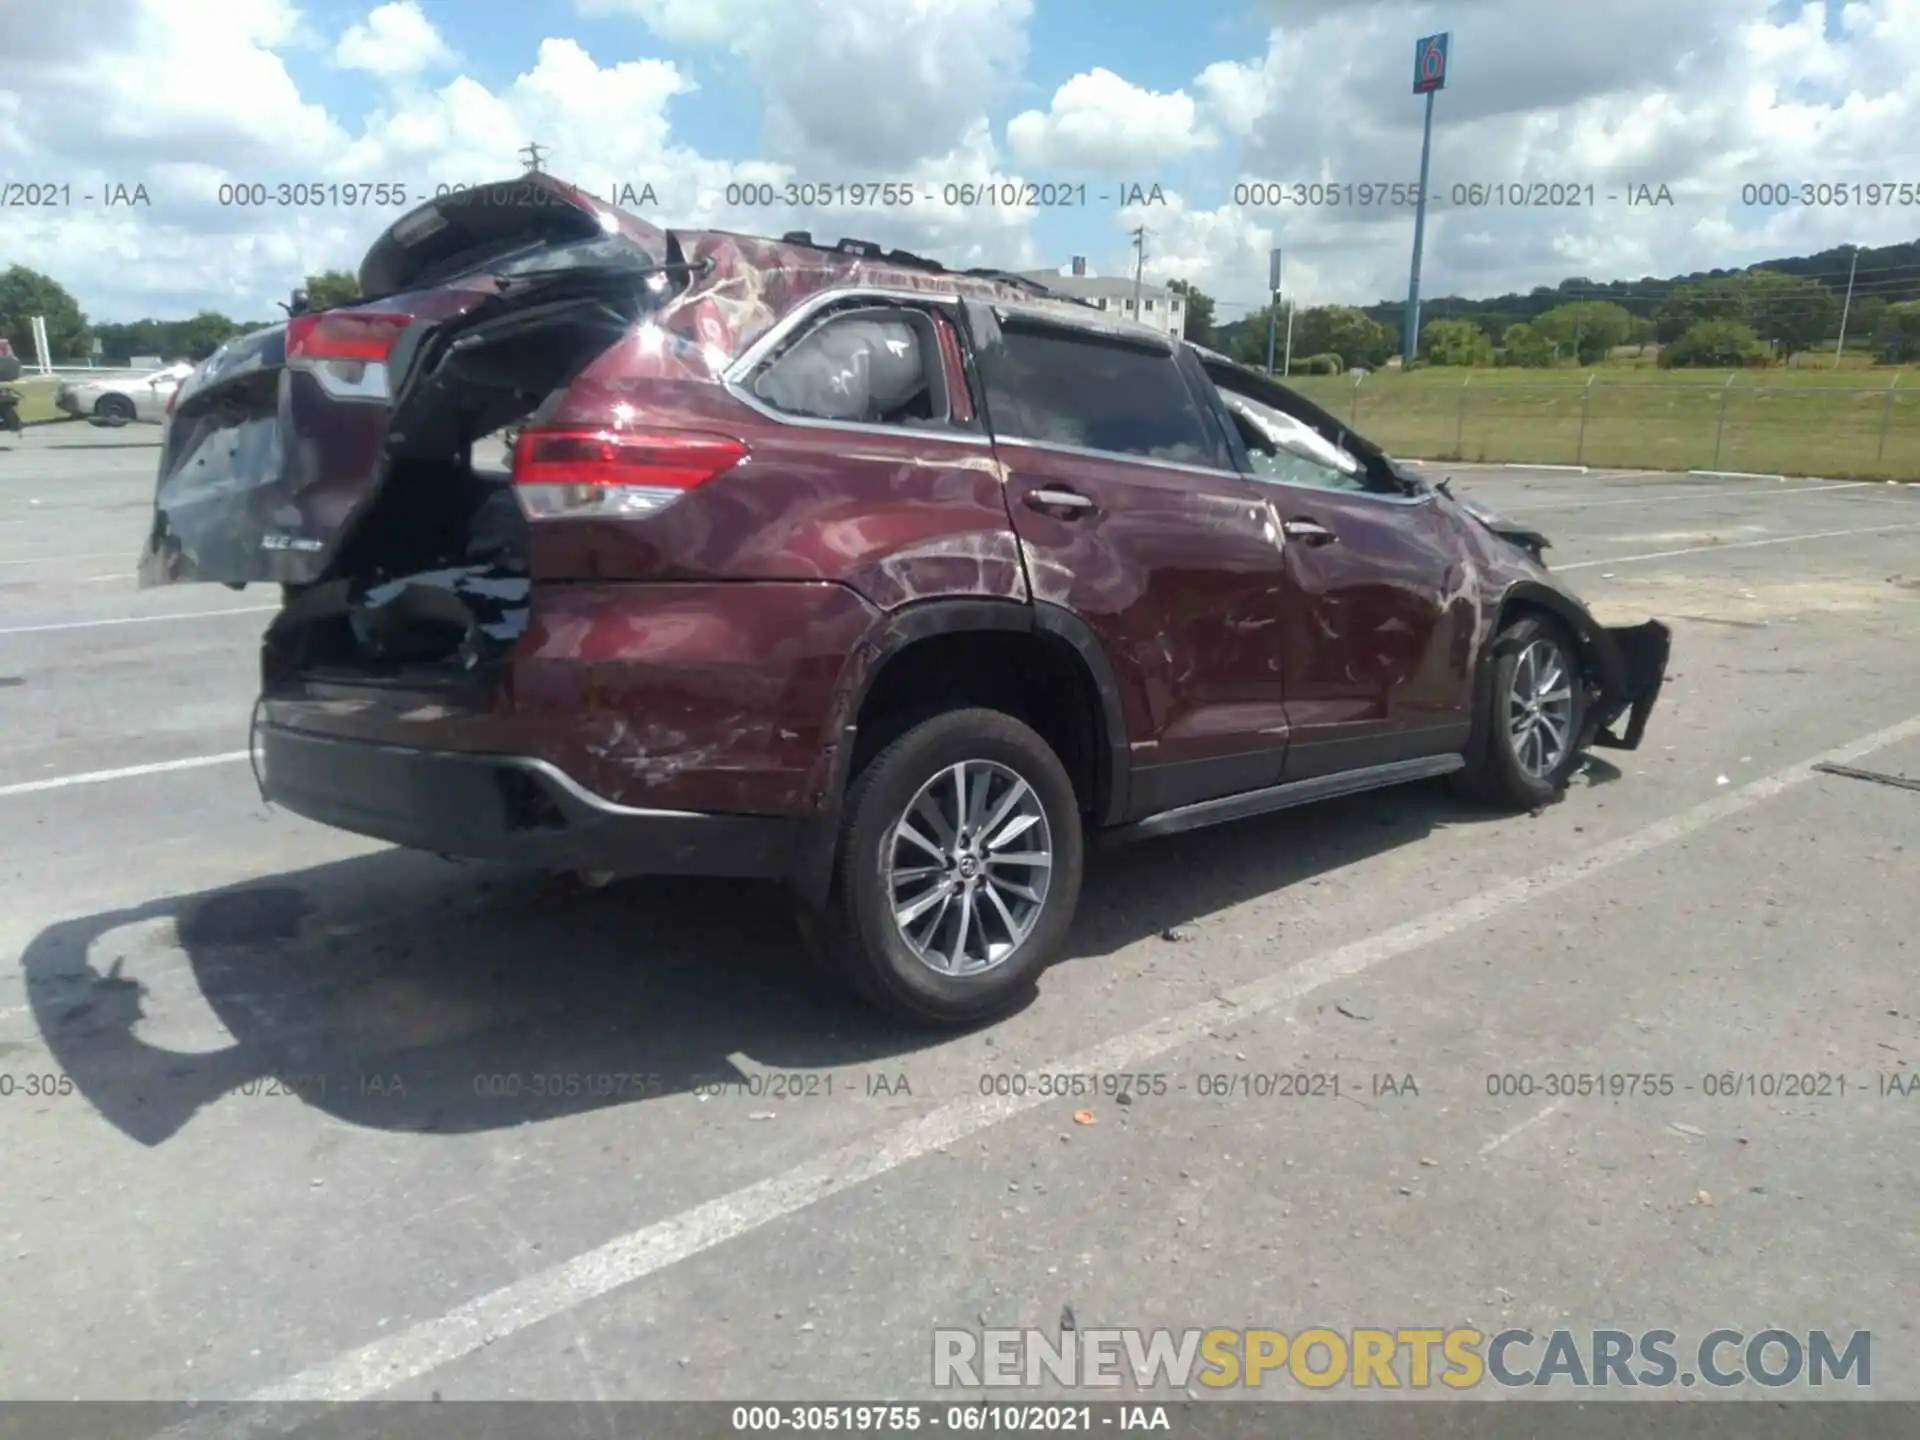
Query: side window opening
[1059,385]
[878,365]
[1328,459]
[1286,451]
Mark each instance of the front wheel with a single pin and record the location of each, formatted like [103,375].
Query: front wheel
[1527,740]
[115,410]
[958,870]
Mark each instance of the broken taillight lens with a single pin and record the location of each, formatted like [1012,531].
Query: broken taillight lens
[346,350]
[612,474]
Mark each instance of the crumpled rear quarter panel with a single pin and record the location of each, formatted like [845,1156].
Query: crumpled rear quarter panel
[714,698]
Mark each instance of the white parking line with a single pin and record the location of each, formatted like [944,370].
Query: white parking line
[429,1344]
[1522,508]
[1525,1125]
[138,620]
[125,772]
[1734,545]
[69,559]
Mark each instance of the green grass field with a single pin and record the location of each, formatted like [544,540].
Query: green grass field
[1808,421]
[36,399]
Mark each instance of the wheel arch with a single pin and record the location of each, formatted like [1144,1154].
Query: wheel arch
[892,641]
[1594,649]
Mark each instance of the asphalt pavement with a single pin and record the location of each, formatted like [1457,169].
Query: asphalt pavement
[291,1114]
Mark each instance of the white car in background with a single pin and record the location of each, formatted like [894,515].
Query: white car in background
[119,399]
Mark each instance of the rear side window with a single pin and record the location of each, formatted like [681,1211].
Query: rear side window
[875,366]
[1059,386]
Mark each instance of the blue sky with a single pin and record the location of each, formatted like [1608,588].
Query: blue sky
[191,95]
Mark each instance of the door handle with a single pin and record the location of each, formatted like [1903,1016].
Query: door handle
[1048,498]
[1312,532]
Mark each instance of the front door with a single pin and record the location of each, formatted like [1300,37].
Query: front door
[1378,638]
[1131,514]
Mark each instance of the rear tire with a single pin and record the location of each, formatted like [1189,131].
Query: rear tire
[985,916]
[115,410]
[1527,740]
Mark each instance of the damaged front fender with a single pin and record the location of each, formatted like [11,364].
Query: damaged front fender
[1641,653]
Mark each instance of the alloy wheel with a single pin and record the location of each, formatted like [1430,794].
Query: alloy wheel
[1540,709]
[968,865]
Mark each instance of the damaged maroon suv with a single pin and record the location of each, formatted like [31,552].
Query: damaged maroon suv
[818,563]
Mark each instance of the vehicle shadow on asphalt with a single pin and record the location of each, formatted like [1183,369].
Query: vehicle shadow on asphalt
[404,993]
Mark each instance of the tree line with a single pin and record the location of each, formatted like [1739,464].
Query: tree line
[1724,318]
[72,337]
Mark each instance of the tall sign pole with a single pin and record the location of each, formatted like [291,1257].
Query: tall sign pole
[1429,79]
[1273,303]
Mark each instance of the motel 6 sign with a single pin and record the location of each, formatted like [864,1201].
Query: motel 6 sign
[1430,65]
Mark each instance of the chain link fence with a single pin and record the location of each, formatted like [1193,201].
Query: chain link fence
[1739,423]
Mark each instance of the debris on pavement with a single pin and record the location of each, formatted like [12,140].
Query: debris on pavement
[1877,777]
[1704,1200]
[1350,1013]
[1084,1117]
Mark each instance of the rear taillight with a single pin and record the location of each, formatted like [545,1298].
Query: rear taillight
[608,473]
[346,350]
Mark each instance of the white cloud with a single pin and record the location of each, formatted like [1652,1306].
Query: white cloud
[1703,97]
[395,39]
[683,22]
[1100,123]
[860,87]
[226,113]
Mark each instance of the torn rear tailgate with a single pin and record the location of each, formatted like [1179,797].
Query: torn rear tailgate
[284,435]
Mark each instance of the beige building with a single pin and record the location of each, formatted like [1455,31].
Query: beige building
[1159,307]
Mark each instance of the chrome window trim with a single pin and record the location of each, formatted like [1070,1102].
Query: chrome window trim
[1374,495]
[751,358]
[735,379]
[1123,456]
[952,432]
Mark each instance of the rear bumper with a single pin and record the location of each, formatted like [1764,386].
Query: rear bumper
[1643,651]
[512,808]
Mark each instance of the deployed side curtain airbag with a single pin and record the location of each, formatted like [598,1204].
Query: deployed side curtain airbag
[855,370]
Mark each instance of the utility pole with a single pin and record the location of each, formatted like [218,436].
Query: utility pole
[531,153]
[1429,78]
[1852,270]
[1287,368]
[1139,264]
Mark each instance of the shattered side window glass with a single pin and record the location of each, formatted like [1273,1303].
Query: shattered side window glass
[1067,389]
[866,370]
[1289,452]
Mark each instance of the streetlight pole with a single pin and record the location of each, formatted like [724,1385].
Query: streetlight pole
[1139,263]
[1273,303]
